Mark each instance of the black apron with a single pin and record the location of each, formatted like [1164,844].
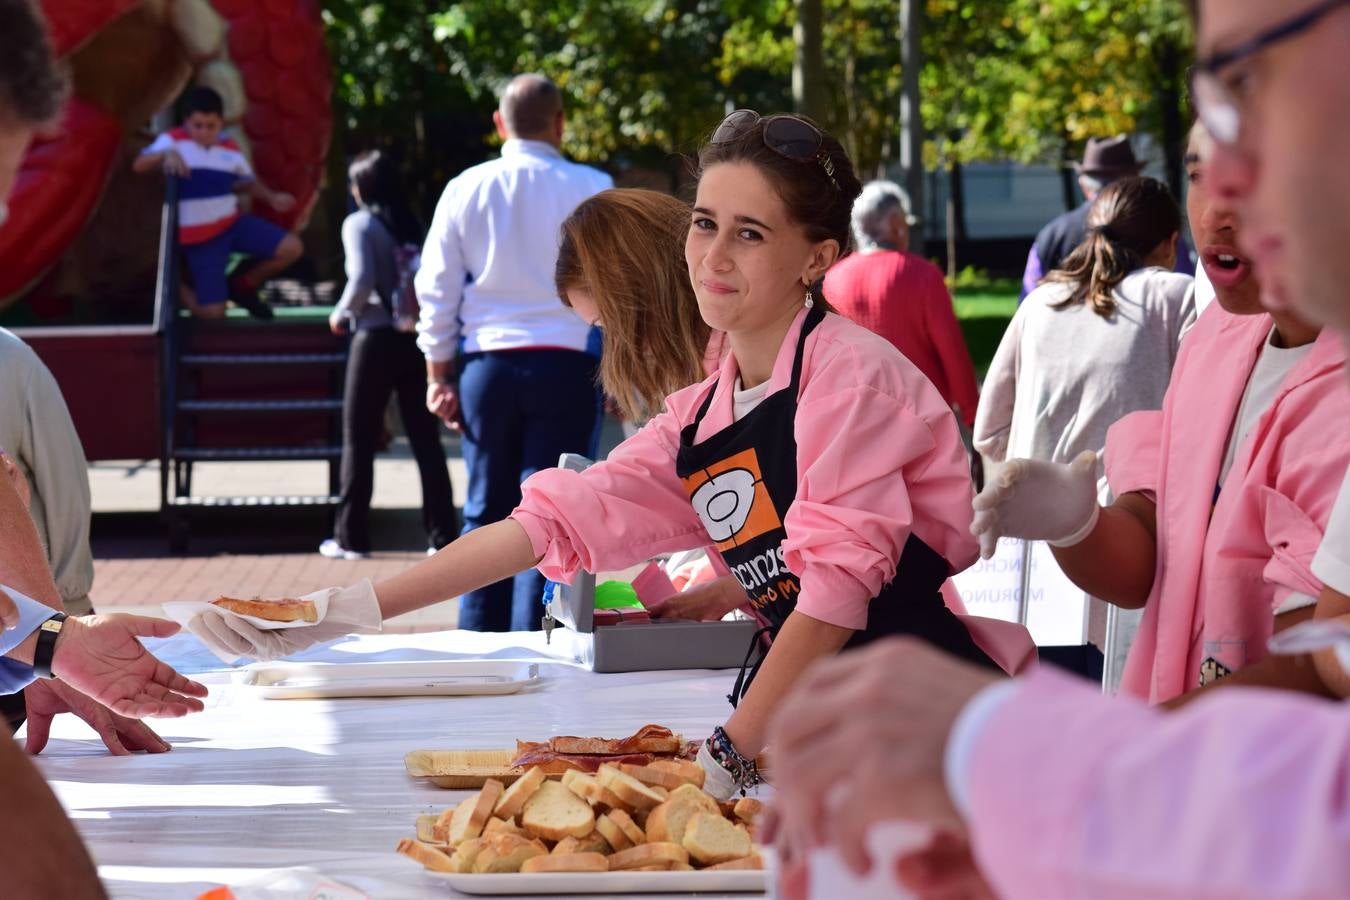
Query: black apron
[742,481]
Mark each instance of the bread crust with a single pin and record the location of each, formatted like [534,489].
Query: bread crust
[288,609]
[566,862]
[430,857]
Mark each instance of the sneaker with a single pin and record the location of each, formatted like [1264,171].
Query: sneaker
[247,298]
[333,550]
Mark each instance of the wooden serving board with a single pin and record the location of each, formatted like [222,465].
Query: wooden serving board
[462,769]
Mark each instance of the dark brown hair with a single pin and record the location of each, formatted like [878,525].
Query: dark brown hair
[1127,221]
[625,247]
[813,201]
[33,85]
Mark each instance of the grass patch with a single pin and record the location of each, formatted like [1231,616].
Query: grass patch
[984,310]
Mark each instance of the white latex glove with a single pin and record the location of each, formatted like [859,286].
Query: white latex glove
[718,781]
[351,610]
[1038,501]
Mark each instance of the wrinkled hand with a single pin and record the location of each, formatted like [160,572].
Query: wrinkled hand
[15,475]
[281,202]
[337,323]
[443,403]
[102,657]
[46,699]
[1038,501]
[945,870]
[174,165]
[351,610]
[861,739]
[704,603]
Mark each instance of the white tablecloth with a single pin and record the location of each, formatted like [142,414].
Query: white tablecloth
[256,785]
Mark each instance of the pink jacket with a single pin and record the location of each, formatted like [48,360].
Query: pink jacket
[1246,794]
[878,457]
[1224,568]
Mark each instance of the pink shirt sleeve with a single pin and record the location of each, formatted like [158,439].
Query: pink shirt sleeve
[871,471]
[626,509]
[1241,795]
[1134,452]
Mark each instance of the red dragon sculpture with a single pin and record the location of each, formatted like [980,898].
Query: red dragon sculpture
[129,59]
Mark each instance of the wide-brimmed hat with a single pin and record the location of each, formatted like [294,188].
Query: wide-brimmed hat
[1113,156]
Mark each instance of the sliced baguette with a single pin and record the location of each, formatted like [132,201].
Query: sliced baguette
[748,810]
[426,830]
[619,830]
[711,839]
[647,855]
[506,853]
[592,843]
[553,812]
[668,820]
[502,826]
[654,777]
[629,790]
[566,862]
[697,796]
[691,772]
[466,854]
[430,857]
[753,861]
[467,819]
[512,800]
[589,789]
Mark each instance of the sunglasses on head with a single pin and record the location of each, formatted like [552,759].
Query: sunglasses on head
[787,135]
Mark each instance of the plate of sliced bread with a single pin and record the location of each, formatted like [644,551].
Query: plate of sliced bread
[623,829]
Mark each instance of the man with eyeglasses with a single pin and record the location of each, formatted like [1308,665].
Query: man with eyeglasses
[1068,794]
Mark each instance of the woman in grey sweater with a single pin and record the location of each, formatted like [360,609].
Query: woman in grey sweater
[383,360]
[1097,339]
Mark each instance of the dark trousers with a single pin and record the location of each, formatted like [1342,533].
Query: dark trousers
[522,409]
[383,361]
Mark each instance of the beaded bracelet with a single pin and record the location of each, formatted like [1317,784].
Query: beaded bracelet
[741,769]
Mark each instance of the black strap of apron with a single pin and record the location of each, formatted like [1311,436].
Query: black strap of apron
[814,316]
[748,672]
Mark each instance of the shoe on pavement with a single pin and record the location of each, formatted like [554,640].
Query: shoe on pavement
[333,550]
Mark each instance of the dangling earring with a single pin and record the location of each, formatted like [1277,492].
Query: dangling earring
[810,300]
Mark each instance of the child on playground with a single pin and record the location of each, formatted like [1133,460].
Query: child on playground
[213,171]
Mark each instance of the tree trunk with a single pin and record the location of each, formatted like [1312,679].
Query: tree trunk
[911,115]
[808,62]
[957,183]
[1173,127]
[951,225]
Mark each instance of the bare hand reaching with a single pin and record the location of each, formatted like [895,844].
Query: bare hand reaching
[102,657]
[47,699]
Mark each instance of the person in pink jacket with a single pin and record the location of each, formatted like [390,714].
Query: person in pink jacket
[1064,792]
[827,471]
[1223,495]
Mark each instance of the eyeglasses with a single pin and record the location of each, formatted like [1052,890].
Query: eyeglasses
[1217,103]
[788,136]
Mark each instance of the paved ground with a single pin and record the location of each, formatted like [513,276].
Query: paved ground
[256,552]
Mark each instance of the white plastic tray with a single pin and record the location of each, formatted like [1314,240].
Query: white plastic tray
[554,884]
[309,681]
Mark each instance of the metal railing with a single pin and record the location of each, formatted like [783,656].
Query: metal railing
[166,331]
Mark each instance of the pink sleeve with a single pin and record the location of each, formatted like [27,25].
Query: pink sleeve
[870,472]
[1134,452]
[1241,795]
[621,511]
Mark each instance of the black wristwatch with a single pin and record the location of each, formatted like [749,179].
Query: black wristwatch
[46,645]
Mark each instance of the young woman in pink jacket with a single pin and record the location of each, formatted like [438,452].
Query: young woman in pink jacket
[1223,494]
[827,471]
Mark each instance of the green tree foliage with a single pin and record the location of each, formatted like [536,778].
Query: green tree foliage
[1022,79]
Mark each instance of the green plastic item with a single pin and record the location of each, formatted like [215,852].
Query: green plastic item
[615,595]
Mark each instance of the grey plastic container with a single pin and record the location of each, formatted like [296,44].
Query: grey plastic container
[643,647]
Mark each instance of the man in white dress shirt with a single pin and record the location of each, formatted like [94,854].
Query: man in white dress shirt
[506,361]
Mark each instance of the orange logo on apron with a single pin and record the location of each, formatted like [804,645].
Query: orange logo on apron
[731,499]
